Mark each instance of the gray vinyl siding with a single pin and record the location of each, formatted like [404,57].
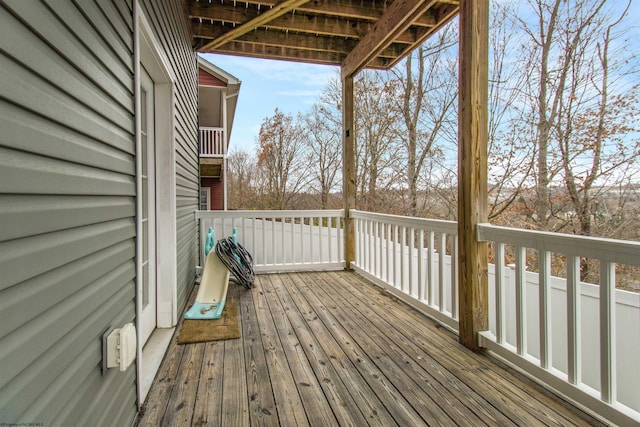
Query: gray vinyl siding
[67,201]
[174,37]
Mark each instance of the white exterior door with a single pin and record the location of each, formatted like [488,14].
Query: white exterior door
[205,197]
[147,198]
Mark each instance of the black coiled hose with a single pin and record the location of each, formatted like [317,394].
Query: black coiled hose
[237,259]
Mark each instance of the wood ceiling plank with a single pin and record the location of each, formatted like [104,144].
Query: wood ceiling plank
[280,9]
[307,24]
[397,18]
[224,12]
[297,41]
[349,9]
[284,53]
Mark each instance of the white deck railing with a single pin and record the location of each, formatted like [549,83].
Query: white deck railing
[411,257]
[212,142]
[583,340]
[282,240]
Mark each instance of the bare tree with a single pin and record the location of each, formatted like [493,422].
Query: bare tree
[426,103]
[594,125]
[556,39]
[281,161]
[324,146]
[377,133]
[241,179]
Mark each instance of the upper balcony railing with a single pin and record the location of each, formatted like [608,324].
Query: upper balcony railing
[580,339]
[212,142]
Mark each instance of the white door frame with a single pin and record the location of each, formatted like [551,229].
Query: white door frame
[147,51]
[147,319]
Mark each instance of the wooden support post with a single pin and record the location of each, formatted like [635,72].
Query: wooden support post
[472,169]
[348,169]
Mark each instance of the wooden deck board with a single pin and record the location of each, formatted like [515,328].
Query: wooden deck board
[350,365]
[417,385]
[333,349]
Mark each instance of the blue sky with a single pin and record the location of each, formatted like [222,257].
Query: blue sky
[267,84]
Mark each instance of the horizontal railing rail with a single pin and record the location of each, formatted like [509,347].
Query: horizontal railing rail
[281,240]
[212,142]
[414,258]
[581,339]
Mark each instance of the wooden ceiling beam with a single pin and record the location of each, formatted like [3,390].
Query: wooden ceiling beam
[280,9]
[397,19]
[299,41]
[444,15]
[290,54]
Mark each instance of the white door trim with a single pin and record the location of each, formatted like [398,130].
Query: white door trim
[147,318]
[148,51]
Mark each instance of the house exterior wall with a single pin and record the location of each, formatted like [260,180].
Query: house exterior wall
[207,79]
[67,201]
[216,198]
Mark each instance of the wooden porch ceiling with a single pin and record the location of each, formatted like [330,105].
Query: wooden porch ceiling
[351,33]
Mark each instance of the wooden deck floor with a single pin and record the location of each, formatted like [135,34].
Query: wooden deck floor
[329,349]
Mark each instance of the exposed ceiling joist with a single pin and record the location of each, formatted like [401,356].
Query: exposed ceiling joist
[279,9]
[398,17]
[351,33]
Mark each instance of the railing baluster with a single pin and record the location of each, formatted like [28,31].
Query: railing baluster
[292,228]
[499,291]
[340,238]
[310,240]
[320,221]
[379,229]
[403,245]
[283,223]
[255,239]
[368,244]
[608,383]
[454,278]
[441,283]
[273,241]
[521,313]
[330,225]
[302,250]
[574,339]
[544,287]
[396,235]
[421,288]
[412,236]
[388,249]
[432,272]
[359,224]
[263,221]
[374,247]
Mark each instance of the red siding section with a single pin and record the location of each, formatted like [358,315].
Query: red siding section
[206,79]
[216,203]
